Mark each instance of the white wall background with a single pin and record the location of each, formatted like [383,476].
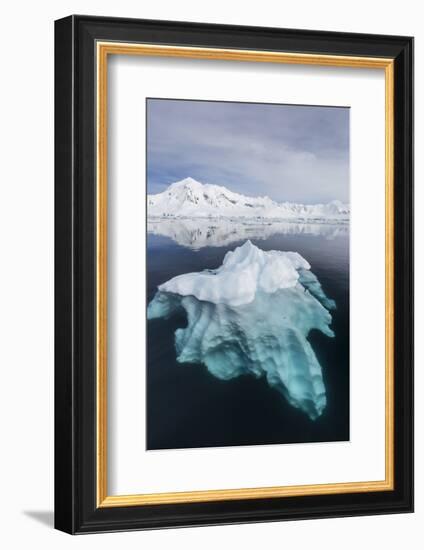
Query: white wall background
[26,273]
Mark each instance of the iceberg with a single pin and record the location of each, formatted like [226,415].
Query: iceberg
[244,271]
[252,316]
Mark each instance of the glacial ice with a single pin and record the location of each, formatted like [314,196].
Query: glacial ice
[253,316]
[244,271]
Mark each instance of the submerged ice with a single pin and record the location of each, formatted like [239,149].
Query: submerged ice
[253,316]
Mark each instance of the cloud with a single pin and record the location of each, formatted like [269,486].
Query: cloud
[294,153]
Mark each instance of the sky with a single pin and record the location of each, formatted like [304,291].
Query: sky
[287,152]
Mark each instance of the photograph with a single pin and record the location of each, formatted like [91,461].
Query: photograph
[247,260]
[234,272]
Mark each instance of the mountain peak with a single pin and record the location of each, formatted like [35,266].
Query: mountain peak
[186,182]
[192,199]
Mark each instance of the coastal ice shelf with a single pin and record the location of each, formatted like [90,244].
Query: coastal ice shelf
[252,315]
[189,198]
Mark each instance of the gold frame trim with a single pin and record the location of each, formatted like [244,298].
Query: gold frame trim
[103,50]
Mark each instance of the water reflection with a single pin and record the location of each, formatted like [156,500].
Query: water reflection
[200,232]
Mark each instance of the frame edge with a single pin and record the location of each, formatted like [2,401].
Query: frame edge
[68,516]
[64,448]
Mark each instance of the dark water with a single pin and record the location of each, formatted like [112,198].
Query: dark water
[188,407]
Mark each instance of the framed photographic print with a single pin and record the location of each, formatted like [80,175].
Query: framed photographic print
[233,274]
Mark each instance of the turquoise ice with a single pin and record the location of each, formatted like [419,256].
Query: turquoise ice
[253,316]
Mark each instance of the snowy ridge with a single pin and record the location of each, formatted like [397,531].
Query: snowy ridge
[189,198]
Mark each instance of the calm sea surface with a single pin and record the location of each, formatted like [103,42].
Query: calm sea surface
[189,407]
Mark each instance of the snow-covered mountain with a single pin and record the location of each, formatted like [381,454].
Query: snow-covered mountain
[189,198]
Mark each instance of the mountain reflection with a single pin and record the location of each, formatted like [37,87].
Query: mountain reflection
[196,233]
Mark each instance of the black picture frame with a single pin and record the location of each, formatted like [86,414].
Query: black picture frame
[76,509]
